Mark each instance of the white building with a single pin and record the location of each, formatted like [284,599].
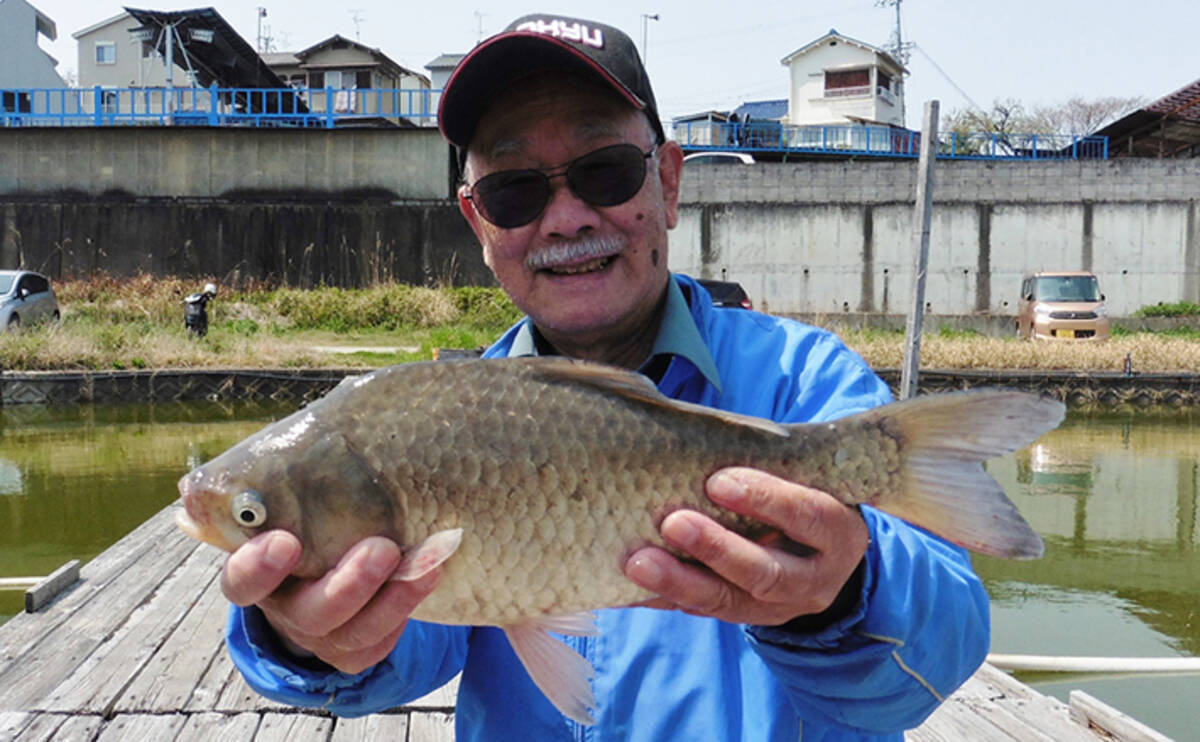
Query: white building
[839,80]
[24,64]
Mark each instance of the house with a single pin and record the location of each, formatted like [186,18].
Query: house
[364,81]
[1168,127]
[704,129]
[24,64]
[111,56]
[440,70]
[839,80]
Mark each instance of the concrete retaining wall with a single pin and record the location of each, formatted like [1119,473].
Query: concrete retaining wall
[814,237]
[824,237]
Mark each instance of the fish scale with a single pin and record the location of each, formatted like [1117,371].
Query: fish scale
[530,481]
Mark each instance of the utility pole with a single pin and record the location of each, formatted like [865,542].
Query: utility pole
[260,42]
[922,219]
[900,49]
[645,23]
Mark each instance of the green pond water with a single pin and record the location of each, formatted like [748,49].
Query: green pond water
[1114,495]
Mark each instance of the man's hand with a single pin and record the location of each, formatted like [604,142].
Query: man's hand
[350,618]
[747,582]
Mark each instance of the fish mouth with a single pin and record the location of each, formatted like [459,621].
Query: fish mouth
[587,255]
[188,525]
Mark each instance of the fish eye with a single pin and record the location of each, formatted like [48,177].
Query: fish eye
[249,510]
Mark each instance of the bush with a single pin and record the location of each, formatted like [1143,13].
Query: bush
[1177,309]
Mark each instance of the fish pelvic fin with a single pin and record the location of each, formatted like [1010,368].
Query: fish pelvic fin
[428,555]
[556,669]
[945,489]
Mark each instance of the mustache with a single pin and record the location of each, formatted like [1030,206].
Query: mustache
[583,248]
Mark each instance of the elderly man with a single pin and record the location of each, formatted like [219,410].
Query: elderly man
[571,188]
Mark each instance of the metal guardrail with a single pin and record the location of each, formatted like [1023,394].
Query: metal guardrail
[883,141]
[331,107]
[213,106]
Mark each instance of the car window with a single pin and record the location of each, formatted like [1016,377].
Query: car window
[38,285]
[6,283]
[1068,288]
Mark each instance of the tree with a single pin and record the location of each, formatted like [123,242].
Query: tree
[1074,117]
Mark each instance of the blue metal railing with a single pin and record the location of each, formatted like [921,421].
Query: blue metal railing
[883,141]
[330,107]
[212,106]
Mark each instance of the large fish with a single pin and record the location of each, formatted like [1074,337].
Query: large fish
[540,476]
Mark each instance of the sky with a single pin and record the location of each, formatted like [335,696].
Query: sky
[703,55]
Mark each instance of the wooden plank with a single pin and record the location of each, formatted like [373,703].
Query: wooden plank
[99,680]
[1043,714]
[41,594]
[293,727]
[209,727]
[126,727]
[144,558]
[12,722]
[1092,712]
[238,696]
[171,676]
[431,726]
[371,728]
[59,728]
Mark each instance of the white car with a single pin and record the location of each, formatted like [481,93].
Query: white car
[718,158]
[25,297]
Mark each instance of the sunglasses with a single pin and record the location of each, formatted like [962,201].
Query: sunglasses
[606,177]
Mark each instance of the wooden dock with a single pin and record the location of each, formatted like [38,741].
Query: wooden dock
[134,650]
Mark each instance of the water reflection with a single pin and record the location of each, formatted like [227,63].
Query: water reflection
[75,479]
[1115,496]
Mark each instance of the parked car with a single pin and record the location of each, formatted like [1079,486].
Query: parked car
[1062,305]
[718,158]
[25,297]
[726,293]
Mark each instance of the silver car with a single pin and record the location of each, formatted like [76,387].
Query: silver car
[25,297]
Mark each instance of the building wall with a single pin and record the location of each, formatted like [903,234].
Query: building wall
[807,102]
[23,64]
[130,68]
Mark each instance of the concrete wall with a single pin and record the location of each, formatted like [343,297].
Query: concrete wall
[809,238]
[225,163]
[821,237]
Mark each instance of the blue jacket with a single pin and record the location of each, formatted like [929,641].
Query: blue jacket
[919,630]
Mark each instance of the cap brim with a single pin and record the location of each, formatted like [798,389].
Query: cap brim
[492,65]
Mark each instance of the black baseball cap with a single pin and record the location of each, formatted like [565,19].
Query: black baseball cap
[536,42]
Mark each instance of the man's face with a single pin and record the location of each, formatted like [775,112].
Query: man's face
[581,272]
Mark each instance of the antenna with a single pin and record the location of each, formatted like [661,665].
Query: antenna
[896,45]
[356,18]
[260,42]
[479,22]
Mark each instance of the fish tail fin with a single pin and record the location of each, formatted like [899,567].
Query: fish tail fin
[946,438]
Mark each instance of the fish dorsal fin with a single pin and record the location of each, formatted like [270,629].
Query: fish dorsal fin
[637,388]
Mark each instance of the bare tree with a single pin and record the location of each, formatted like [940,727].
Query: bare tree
[1074,117]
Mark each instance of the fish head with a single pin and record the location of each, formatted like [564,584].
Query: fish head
[299,475]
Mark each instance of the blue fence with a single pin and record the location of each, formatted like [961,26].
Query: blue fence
[330,107]
[883,141]
[214,106]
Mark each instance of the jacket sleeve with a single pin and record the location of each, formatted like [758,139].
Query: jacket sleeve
[426,657]
[921,627]
[920,630]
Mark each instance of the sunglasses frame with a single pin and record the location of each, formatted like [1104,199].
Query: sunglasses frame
[546,175]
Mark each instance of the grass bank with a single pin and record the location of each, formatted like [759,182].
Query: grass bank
[110,323]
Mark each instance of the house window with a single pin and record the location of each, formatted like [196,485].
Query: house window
[362,79]
[842,83]
[316,79]
[108,101]
[106,52]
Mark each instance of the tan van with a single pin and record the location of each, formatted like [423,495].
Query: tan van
[1062,305]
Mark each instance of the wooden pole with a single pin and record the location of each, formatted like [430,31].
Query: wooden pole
[922,217]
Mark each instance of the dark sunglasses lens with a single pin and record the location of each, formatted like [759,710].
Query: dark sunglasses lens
[608,176]
[511,198]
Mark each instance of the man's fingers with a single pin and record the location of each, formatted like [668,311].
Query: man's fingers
[681,585]
[761,573]
[257,569]
[316,608]
[805,515]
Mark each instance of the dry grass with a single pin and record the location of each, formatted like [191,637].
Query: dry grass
[1147,353]
[111,323]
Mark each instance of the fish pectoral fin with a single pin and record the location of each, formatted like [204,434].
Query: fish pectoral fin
[556,669]
[428,554]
